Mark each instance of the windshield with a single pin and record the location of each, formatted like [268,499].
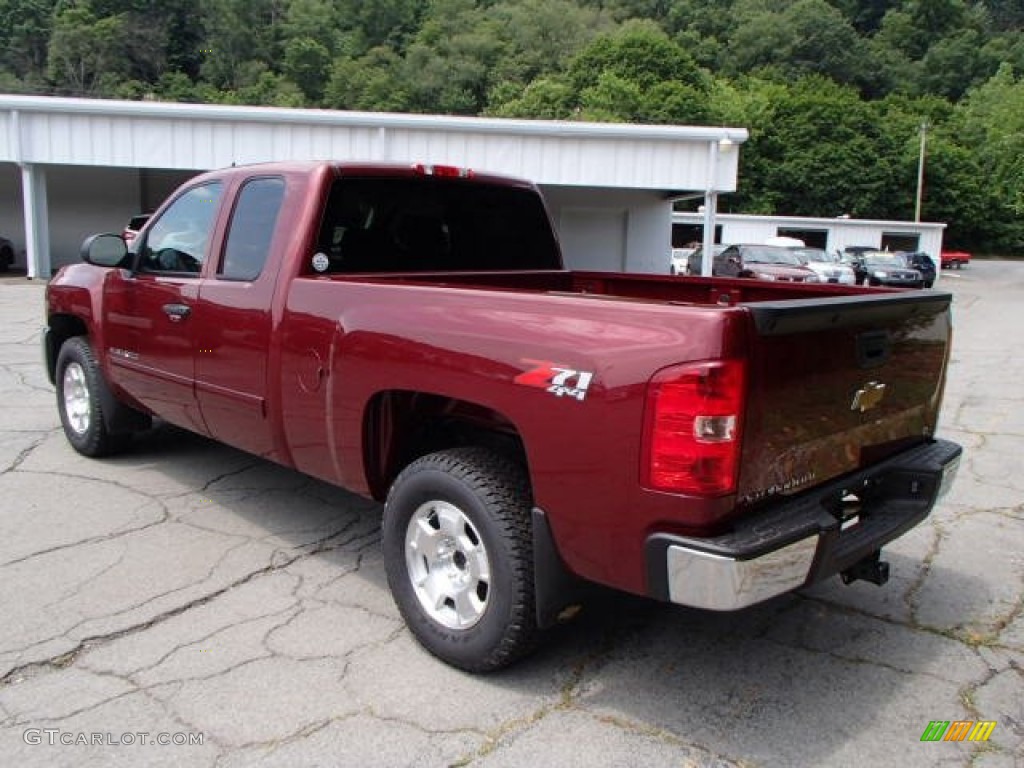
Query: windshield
[765,254]
[807,255]
[880,259]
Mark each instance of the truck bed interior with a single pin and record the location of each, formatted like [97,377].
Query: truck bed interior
[671,290]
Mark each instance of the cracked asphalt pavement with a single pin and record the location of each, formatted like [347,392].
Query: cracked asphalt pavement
[187,588]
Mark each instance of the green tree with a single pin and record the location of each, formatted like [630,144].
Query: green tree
[307,63]
[991,123]
[808,37]
[639,53]
[954,64]
[539,37]
[865,15]
[317,20]
[957,193]
[388,23]
[611,99]
[25,27]
[373,82]
[816,151]
[83,49]
[546,98]
[448,67]
[239,41]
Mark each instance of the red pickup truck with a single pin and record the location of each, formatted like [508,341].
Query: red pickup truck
[954,259]
[410,333]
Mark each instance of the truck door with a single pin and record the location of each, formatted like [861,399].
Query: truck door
[148,314]
[234,319]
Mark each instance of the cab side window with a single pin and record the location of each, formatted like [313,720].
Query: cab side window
[252,229]
[177,241]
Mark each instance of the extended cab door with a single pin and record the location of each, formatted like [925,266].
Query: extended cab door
[150,331]
[234,320]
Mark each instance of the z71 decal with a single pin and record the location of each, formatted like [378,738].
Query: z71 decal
[556,379]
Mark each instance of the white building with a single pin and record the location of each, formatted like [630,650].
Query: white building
[830,234]
[72,167]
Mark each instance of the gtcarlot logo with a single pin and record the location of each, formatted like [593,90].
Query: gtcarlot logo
[55,736]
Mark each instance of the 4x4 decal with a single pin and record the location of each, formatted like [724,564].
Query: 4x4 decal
[556,379]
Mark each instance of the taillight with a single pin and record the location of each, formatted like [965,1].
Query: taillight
[692,427]
[443,171]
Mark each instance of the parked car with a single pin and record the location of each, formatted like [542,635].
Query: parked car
[762,262]
[851,254]
[923,263]
[694,261]
[885,268]
[828,267]
[954,259]
[679,262]
[6,254]
[135,223]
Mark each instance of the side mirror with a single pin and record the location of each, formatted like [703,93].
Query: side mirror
[105,251]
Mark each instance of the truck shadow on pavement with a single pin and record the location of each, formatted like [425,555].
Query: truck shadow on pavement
[807,679]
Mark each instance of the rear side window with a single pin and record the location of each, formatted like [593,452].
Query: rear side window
[433,225]
[252,229]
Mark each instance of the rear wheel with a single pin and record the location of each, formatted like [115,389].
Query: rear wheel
[459,555]
[79,382]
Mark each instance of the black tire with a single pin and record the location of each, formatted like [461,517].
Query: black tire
[6,259]
[491,499]
[79,379]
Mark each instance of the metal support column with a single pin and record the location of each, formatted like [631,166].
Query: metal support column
[710,209]
[37,220]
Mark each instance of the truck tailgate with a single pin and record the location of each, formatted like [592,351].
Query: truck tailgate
[838,384]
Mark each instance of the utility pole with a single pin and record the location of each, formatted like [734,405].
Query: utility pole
[920,172]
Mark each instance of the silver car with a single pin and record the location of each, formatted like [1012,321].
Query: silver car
[828,268]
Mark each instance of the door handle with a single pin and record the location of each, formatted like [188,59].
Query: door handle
[177,312]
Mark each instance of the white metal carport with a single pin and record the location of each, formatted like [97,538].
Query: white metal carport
[609,186]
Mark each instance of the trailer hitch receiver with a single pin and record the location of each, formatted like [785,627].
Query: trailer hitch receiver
[871,568]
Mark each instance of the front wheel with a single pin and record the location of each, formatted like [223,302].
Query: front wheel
[458,550]
[79,382]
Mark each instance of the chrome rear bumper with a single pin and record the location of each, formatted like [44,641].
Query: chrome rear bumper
[718,583]
[804,538]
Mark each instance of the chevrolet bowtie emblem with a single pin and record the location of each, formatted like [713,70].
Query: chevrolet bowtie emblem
[868,397]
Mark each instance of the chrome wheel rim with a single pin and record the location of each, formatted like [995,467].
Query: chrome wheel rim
[448,565]
[77,403]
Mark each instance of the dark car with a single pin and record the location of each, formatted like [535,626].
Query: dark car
[923,263]
[6,254]
[762,262]
[694,261]
[885,268]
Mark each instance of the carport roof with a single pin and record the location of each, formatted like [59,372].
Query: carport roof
[147,134]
